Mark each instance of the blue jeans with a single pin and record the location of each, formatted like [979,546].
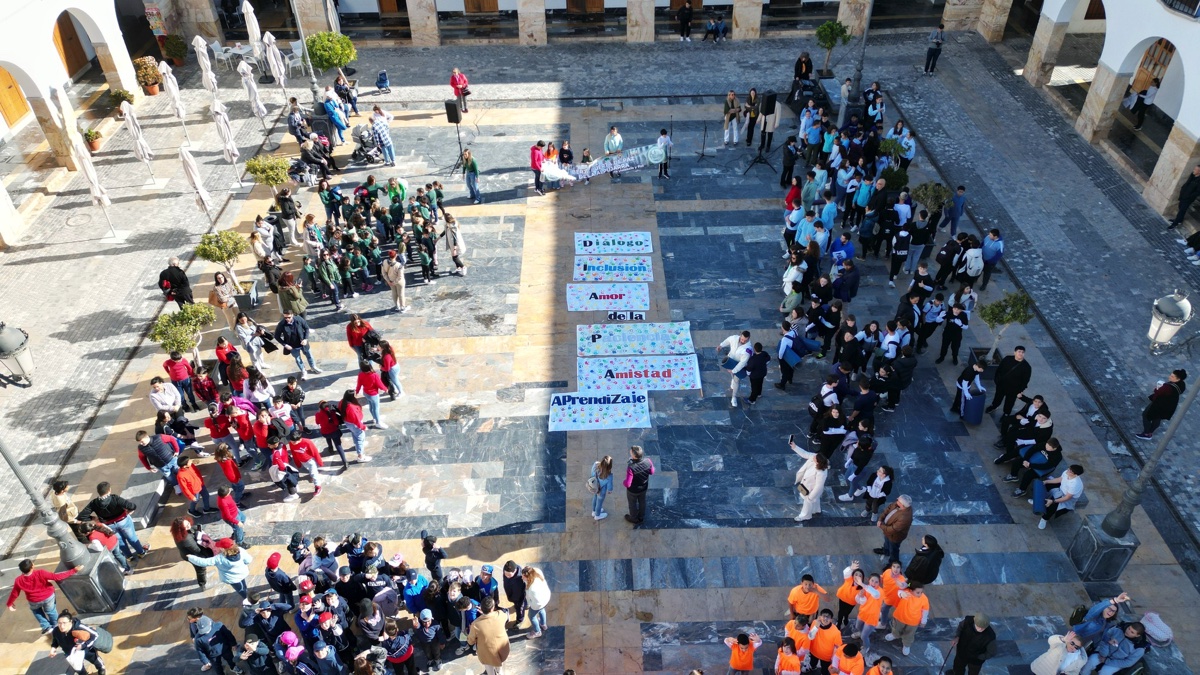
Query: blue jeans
[128,536]
[473,186]
[389,153]
[373,406]
[45,612]
[858,481]
[239,532]
[394,376]
[538,619]
[892,551]
[240,587]
[359,436]
[200,496]
[333,213]
[120,557]
[185,390]
[239,489]
[953,220]
[169,471]
[303,349]
[806,346]
[334,296]
[598,502]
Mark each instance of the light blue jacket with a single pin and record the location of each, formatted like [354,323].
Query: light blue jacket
[229,570]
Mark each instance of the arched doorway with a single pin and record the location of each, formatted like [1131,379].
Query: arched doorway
[73,45]
[1150,102]
[13,106]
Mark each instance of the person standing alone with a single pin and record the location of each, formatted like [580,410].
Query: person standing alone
[536,157]
[976,643]
[1163,402]
[1012,376]
[637,481]
[462,89]
[685,22]
[936,38]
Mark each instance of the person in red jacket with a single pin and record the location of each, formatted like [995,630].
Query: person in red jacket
[232,515]
[329,423]
[180,372]
[241,422]
[282,473]
[352,416]
[39,591]
[371,386]
[225,350]
[220,429]
[191,484]
[100,535]
[536,157]
[203,385]
[355,331]
[458,82]
[233,474]
[306,456]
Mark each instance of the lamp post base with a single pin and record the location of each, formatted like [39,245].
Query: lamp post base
[97,587]
[1098,556]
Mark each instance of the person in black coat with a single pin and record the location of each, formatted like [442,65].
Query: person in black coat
[976,643]
[685,22]
[185,533]
[514,591]
[256,657]
[69,635]
[1163,402]
[845,286]
[212,640]
[757,367]
[902,377]
[1188,193]
[266,619]
[1012,376]
[174,284]
[926,563]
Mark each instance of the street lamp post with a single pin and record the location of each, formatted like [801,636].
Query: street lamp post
[100,583]
[856,85]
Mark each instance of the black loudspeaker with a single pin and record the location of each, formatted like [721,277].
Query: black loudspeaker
[453,114]
[770,99]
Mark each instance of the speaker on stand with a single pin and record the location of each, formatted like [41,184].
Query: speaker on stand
[454,116]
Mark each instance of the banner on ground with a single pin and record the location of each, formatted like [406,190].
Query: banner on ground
[585,410]
[614,268]
[628,160]
[641,339]
[638,373]
[594,297]
[613,242]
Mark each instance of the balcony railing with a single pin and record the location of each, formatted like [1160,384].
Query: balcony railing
[1188,7]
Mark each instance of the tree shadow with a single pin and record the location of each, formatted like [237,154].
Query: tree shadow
[158,240]
[51,414]
[100,325]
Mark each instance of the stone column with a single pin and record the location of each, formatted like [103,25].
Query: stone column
[853,13]
[962,14]
[11,222]
[1103,99]
[993,17]
[639,21]
[312,17]
[531,22]
[747,19]
[423,22]
[192,18]
[1179,155]
[55,129]
[116,66]
[1043,55]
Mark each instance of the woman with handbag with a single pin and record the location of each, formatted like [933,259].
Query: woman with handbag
[462,89]
[337,116]
[222,297]
[253,338]
[810,481]
[191,540]
[600,484]
[348,95]
[291,295]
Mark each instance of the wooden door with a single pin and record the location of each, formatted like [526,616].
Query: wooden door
[482,6]
[13,105]
[696,5]
[1154,64]
[389,7]
[69,48]
[585,6]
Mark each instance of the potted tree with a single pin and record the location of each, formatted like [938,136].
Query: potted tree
[175,48]
[330,50]
[92,138]
[118,96]
[933,196]
[897,178]
[180,331]
[224,248]
[270,170]
[148,76]
[1013,308]
[829,35]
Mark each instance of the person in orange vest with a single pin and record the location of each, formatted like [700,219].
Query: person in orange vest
[825,637]
[847,660]
[741,652]
[882,667]
[893,582]
[870,611]
[852,583]
[797,631]
[911,613]
[805,599]
[788,661]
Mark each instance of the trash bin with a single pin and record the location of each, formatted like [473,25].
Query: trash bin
[973,409]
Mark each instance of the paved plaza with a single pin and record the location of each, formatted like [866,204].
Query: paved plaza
[469,456]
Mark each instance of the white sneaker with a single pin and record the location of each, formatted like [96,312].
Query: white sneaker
[1193,257]
[688,39]
[859,492]
[602,515]
[891,284]
[889,637]
[379,424]
[1182,242]
[178,491]
[303,375]
[1042,524]
[292,498]
[785,255]
[363,458]
[354,295]
[864,514]
[733,401]
[681,38]
[201,453]
[316,371]
[846,497]
[906,651]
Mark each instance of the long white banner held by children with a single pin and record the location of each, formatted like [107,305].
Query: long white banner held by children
[597,297]
[590,410]
[613,268]
[592,243]
[641,339]
[624,374]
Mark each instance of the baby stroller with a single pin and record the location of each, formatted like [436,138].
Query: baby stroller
[382,84]
[366,151]
[302,173]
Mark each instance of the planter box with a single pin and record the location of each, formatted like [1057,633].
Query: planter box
[247,302]
[978,354]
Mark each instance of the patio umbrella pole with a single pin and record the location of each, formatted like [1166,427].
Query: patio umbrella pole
[185,133]
[111,231]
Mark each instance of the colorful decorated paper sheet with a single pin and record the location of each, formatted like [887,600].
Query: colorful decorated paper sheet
[638,373]
[586,410]
[593,243]
[596,297]
[614,268]
[616,339]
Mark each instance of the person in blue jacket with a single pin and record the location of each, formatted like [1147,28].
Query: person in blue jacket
[1120,647]
[487,584]
[213,641]
[354,547]
[414,587]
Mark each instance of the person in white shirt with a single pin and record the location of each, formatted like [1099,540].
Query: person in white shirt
[1145,99]
[740,351]
[665,144]
[1062,498]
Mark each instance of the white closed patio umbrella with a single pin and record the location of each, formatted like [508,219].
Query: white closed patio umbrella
[99,194]
[207,78]
[141,149]
[228,145]
[275,62]
[335,22]
[256,105]
[252,29]
[192,173]
[172,87]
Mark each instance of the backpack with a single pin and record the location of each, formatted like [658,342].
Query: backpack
[947,252]
[816,406]
[973,266]
[104,640]
[1077,615]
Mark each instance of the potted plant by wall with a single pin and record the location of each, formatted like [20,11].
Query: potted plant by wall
[1013,308]
[175,48]
[148,76]
[224,248]
[269,170]
[897,178]
[829,35]
[933,196]
[92,138]
[180,331]
[118,96]
[330,50]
